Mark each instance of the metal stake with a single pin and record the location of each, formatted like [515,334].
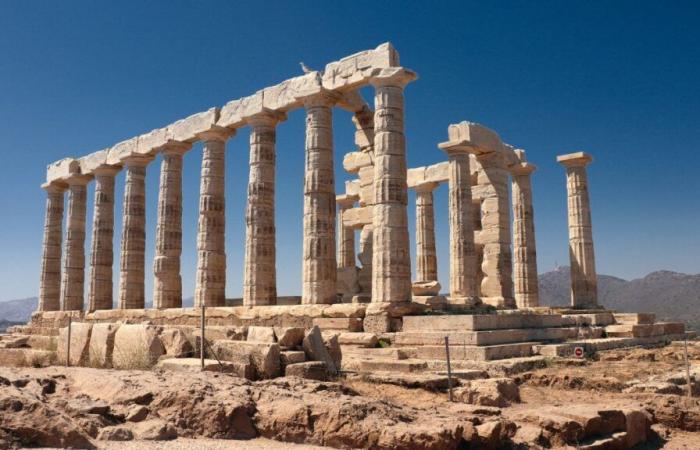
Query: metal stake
[201,342]
[70,322]
[687,365]
[449,366]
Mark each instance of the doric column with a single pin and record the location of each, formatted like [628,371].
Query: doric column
[210,289]
[346,235]
[584,290]
[50,283]
[102,256]
[131,282]
[260,276]
[391,263]
[319,264]
[167,283]
[426,255]
[73,282]
[524,251]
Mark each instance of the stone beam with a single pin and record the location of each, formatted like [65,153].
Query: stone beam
[357,217]
[477,137]
[62,170]
[436,173]
[354,161]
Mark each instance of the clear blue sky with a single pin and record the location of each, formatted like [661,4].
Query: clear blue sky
[617,79]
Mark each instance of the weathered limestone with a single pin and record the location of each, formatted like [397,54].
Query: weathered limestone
[584,290]
[133,246]
[210,289]
[391,264]
[73,282]
[346,235]
[462,257]
[50,282]
[426,255]
[260,275]
[167,285]
[319,258]
[524,250]
[102,256]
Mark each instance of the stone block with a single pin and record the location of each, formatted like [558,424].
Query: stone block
[352,187]
[176,343]
[235,113]
[312,370]
[635,318]
[62,169]
[368,340]
[498,392]
[211,365]
[356,70]
[387,365]
[438,173]
[292,357]
[136,347]
[480,138]
[290,93]
[425,288]
[377,323]
[261,334]
[264,357]
[673,327]
[315,349]
[189,128]
[480,322]
[475,353]
[149,143]
[79,344]
[354,161]
[346,281]
[339,323]
[90,162]
[121,151]
[358,217]
[102,344]
[26,357]
[289,336]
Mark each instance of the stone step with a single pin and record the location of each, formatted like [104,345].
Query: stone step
[26,357]
[636,330]
[476,353]
[211,365]
[389,365]
[478,322]
[40,342]
[635,318]
[338,323]
[368,340]
[465,374]
[486,337]
[386,353]
[600,319]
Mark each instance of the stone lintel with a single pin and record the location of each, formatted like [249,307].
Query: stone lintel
[355,70]
[358,217]
[354,161]
[188,129]
[435,173]
[393,76]
[124,149]
[427,186]
[352,101]
[346,200]
[62,169]
[90,163]
[216,133]
[523,168]
[455,147]
[470,134]
[352,187]
[55,186]
[151,142]
[575,159]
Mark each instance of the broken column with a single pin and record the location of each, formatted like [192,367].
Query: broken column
[133,246]
[73,282]
[167,282]
[426,255]
[319,263]
[260,275]
[50,283]
[584,291]
[524,251]
[102,256]
[391,264]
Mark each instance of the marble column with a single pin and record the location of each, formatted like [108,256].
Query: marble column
[133,245]
[50,283]
[260,276]
[391,263]
[462,253]
[346,235]
[584,286]
[524,250]
[102,256]
[73,281]
[167,282]
[319,263]
[210,288]
[426,255]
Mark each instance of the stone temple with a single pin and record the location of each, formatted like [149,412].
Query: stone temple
[489,307]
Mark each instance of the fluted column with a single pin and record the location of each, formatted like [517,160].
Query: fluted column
[133,245]
[210,289]
[584,286]
[346,235]
[524,250]
[50,283]
[260,276]
[102,256]
[319,263]
[167,283]
[426,255]
[462,253]
[391,264]
[73,282]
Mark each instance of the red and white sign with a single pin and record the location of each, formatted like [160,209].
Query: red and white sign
[578,352]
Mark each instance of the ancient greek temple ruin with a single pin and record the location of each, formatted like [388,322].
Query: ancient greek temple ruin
[492,259]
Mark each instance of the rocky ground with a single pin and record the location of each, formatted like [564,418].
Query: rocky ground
[608,403]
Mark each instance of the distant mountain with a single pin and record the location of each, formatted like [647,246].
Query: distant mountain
[18,310]
[670,295]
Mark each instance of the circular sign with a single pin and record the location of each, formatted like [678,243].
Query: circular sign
[578,352]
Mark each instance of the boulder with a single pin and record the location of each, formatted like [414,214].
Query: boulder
[312,370]
[116,433]
[264,357]
[498,392]
[261,334]
[154,430]
[289,336]
[102,344]
[136,347]
[316,350]
[79,344]
[137,413]
[368,340]
[175,343]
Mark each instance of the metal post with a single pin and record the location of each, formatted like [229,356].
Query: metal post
[70,322]
[687,365]
[449,366]
[201,342]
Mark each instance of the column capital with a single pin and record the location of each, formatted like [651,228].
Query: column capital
[267,117]
[137,160]
[523,168]
[462,147]
[323,98]
[393,76]
[175,148]
[106,169]
[216,133]
[56,187]
[78,180]
[578,159]
[427,186]
[346,201]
